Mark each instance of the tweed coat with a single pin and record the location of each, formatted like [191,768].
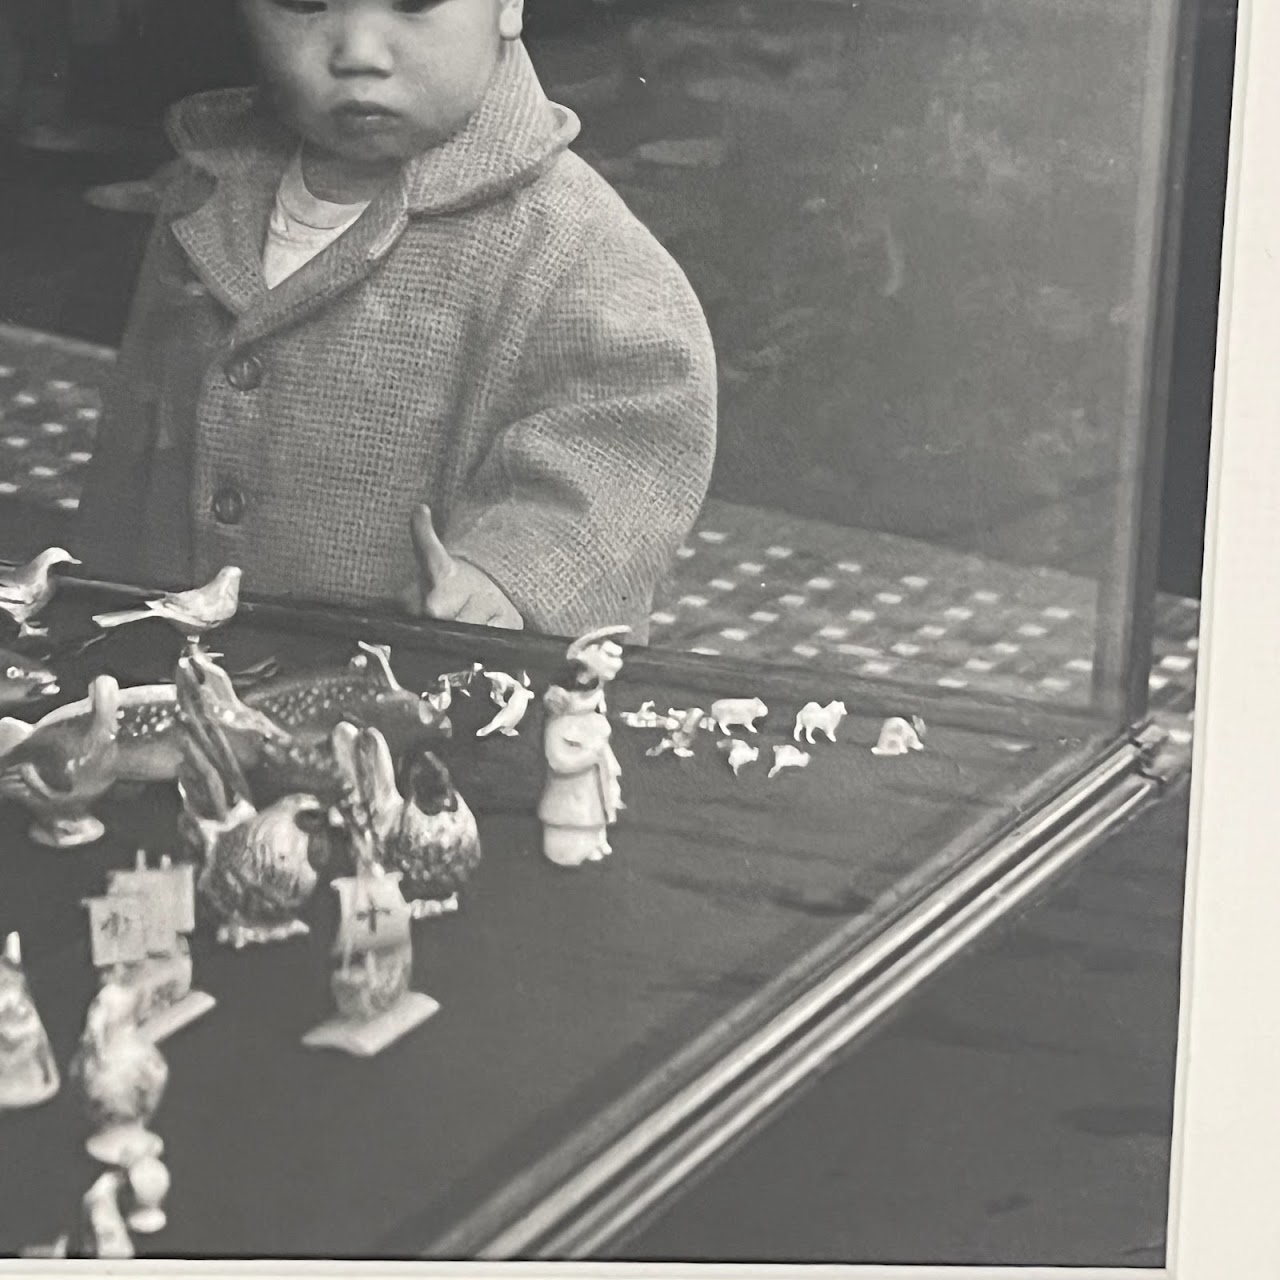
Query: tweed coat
[496,335]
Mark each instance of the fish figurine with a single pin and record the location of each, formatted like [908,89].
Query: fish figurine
[194,612]
[513,699]
[899,736]
[58,769]
[739,754]
[28,1071]
[24,680]
[26,591]
[785,756]
[121,1077]
[422,828]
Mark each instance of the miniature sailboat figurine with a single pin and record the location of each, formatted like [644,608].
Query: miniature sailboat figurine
[373,945]
[158,960]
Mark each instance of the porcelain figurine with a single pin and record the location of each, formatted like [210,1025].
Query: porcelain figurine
[513,697]
[26,591]
[815,718]
[647,718]
[737,713]
[786,756]
[193,613]
[899,736]
[309,708]
[28,1071]
[58,769]
[121,1078]
[24,680]
[373,946]
[681,739]
[138,937]
[582,795]
[740,754]
[149,1184]
[421,827]
[259,866]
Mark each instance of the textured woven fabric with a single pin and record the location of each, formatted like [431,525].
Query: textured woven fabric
[497,335]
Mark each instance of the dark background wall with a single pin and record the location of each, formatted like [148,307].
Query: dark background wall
[911,224]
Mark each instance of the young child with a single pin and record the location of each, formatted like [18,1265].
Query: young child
[380,281]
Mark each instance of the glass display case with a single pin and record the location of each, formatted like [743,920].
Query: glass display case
[934,243]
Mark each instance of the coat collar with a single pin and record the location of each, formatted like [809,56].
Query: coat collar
[232,137]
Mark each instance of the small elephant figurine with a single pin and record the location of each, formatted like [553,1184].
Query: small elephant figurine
[60,767]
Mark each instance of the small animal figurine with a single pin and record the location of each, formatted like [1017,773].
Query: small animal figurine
[814,718]
[58,769]
[24,680]
[26,591]
[463,680]
[514,700]
[740,754]
[785,756]
[121,1077]
[582,795]
[421,827]
[729,713]
[28,1072]
[898,736]
[193,613]
[680,741]
[647,718]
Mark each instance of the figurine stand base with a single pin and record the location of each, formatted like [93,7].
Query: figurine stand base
[67,833]
[166,1022]
[365,1039]
[17,1095]
[123,1145]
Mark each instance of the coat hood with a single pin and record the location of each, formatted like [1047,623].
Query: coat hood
[512,137]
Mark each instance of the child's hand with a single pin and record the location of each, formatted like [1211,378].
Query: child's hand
[453,589]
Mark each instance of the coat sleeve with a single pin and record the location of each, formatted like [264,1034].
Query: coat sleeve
[578,508]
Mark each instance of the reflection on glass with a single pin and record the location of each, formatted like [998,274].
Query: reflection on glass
[924,237]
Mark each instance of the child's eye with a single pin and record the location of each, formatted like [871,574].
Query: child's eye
[301,6]
[416,6]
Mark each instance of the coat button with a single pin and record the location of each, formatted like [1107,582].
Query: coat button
[228,505]
[245,372]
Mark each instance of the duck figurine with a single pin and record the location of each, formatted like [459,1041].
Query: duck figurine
[28,589]
[121,1077]
[259,866]
[28,1071]
[512,698]
[422,827]
[59,768]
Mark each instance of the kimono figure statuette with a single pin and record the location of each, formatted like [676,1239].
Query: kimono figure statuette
[582,796]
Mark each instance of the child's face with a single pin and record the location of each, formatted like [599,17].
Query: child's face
[376,81]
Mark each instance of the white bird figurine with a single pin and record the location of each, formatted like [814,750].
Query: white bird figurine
[513,698]
[25,591]
[193,612]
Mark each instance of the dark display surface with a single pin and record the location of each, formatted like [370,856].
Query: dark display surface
[561,991]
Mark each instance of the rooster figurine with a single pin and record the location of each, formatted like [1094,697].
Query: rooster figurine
[259,866]
[121,1077]
[421,826]
[193,612]
[25,591]
[58,769]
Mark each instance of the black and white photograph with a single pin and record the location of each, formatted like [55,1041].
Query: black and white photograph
[601,607]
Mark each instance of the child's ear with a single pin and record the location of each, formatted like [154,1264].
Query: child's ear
[511,19]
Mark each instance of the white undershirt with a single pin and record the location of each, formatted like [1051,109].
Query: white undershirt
[301,225]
